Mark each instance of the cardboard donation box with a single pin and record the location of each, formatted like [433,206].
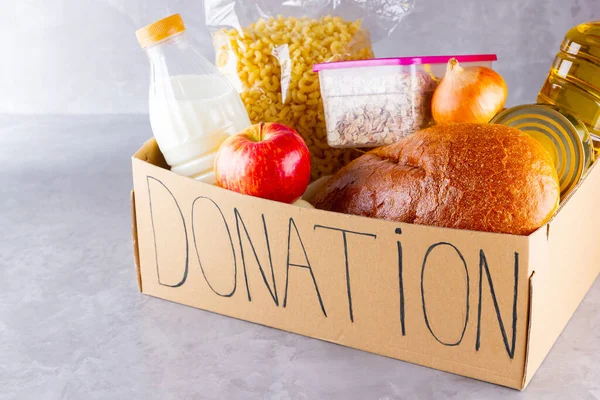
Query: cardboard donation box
[483,305]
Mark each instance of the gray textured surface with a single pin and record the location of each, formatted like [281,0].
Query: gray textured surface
[82,56]
[73,326]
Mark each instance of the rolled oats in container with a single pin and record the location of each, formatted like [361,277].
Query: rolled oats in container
[375,102]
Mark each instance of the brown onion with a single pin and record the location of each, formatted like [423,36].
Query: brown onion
[470,94]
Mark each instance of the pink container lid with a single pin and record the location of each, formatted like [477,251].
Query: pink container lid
[376,62]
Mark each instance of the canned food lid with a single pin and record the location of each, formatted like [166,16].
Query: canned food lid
[375,62]
[556,133]
[584,135]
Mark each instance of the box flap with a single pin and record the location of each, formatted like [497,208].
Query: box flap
[134,238]
[150,153]
[565,257]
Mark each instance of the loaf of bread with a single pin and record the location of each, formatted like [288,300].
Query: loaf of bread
[481,177]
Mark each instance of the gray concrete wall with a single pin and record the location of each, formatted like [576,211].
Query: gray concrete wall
[81,56]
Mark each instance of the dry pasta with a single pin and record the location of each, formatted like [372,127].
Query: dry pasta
[271,63]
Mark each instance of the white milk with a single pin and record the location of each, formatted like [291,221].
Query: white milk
[191,115]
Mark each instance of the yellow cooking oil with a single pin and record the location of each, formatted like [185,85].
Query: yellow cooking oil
[573,83]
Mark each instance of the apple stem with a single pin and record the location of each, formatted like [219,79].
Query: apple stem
[260,131]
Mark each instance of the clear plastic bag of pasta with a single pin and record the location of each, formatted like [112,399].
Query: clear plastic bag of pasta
[267,49]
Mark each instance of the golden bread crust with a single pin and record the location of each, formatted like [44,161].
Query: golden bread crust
[481,177]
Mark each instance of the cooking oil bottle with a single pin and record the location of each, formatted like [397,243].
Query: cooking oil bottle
[573,83]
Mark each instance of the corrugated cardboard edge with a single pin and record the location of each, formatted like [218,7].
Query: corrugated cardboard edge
[529,313]
[565,263]
[134,238]
[149,153]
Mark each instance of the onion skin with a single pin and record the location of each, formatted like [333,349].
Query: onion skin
[471,94]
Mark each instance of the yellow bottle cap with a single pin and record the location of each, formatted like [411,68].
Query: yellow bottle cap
[160,30]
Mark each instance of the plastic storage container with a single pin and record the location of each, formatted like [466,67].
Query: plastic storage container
[573,83]
[193,108]
[371,103]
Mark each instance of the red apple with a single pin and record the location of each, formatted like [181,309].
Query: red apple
[267,160]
